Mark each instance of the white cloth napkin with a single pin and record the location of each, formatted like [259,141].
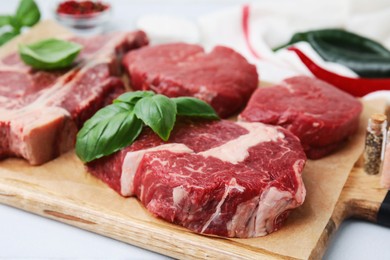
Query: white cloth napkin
[254,29]
[272,23]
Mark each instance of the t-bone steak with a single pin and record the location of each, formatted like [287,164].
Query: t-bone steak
[220,178]
[322,116]
[41,111]
[222,78]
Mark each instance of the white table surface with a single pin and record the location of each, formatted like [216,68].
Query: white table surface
[25,235]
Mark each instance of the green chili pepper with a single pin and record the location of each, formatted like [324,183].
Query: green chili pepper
[364,56]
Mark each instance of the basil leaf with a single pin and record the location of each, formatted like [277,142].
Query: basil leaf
[109,130]
[133,97]
[5,20]
[27,13]
[158,112]
[118,125]
[5,37]
[49,54]
[189,106]
[16,25]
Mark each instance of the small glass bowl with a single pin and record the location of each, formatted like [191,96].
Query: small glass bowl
[84,23]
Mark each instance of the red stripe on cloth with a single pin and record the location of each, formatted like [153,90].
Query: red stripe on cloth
[355,86]
[245,29]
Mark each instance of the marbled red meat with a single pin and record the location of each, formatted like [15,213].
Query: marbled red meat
[221,178]
[41,111]
[222,77]
[322,116]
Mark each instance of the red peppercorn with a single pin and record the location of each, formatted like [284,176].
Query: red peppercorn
[81,7]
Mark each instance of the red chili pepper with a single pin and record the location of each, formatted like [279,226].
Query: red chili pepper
[81,7]
[355,86]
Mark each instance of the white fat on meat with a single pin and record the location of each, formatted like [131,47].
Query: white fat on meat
[29,125]
[256,217]
[60,88]
[257,133]
[301,191]
[133,159]
[178,194]
[205,94]
[233,185]
[290,88]
[36,131]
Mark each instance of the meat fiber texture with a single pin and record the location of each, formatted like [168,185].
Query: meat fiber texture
[218,178]
[222,78]
[322,116]
[41,111]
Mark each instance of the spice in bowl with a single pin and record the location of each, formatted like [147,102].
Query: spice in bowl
[83,14]
[81,7]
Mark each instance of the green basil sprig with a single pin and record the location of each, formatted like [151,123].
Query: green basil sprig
[193,107]
[5,37]
[158,112]
[109,130]
[49,54]
[119,124]
[27,14]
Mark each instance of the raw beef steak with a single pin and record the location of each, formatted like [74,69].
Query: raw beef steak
[322,116]
[220,178]
[222,78]
[41,111]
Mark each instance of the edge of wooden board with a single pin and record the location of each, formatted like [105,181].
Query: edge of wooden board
[129,230]
[360,198]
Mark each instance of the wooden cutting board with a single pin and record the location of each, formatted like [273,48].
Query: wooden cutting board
[64,191]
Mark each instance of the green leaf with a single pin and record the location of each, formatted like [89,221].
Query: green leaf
[158,112]
[5,37]
[109,130]
[49,54]
[5,20]
[118,125]
[27,13]
[133,97]
[297,37]
[189,106]
[16,25]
